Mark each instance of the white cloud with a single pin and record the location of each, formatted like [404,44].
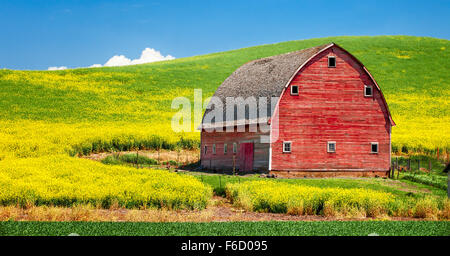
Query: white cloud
[148,55]
[118,60]
[57,68]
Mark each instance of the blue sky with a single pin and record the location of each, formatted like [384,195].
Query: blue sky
[76,33]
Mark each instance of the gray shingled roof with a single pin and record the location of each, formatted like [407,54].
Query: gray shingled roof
[265,77]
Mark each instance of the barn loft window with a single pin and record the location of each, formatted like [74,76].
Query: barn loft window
[368,91]
[214,149]
[225,148]
[287,147]
[294,90]
[374,147]
[234,148]
[331,62]
[206,149]
[331,147]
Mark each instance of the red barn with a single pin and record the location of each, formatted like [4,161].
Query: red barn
[326,116]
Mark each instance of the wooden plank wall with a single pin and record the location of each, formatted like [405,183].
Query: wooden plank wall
[331,107]
[221,161]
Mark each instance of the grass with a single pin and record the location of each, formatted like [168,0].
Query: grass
[113,214]
[101,109]
[318,228]
[427,179]
[128,159]
[419,160]
[416,168]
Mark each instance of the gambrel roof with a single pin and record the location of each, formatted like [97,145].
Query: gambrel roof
[266,77]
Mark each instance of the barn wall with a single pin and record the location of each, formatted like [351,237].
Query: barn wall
[221,161]
[331,107]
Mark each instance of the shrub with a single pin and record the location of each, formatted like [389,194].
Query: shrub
[129,159]
[132,158]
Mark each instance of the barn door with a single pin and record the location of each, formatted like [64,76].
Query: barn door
[246,157]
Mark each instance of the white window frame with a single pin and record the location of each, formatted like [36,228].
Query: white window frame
[328,146]
[335,61]
[371,90]
[214,149]
[234,148]
[378,147]
[225,148]
[290,146]
[292,93]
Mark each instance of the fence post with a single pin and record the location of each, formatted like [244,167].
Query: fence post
[396,163]
[234,164]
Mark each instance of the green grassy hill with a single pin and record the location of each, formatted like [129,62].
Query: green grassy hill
[84,110]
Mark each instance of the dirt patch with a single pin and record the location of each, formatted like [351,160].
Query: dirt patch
[184,156]
[402,186]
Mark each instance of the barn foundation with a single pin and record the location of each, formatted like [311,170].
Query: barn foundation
[330,174]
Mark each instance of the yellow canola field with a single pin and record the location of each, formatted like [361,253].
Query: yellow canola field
[38,138]
[64,181]
[281,197]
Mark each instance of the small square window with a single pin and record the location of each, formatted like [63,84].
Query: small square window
[214,149]
[287,147]
[234,148]
[294,90]
[374,147]
[331,147]
[225,148]
[206,149]
[368,91]
[331,62]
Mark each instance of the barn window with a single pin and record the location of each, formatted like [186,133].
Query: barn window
[331,62]
[206,149]
[225,148]
[234,148]
[368,91]
[294,90]
[374,147]
[331,147]
[287,147]
[214,149]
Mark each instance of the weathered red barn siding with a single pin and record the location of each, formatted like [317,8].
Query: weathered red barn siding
[331,106]
[221,161]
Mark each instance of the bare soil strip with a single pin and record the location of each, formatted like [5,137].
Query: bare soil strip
[220,210]
[184,156]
